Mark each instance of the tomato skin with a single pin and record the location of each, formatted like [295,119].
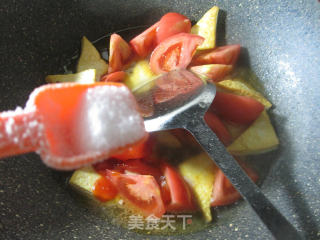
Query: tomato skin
[175,83]
[218,128]
[170,24]
[142,192]
[139,167]
[136,166]
[214,72]
[104,189]
[114,77]
[144,43]
[165,191]
[180,194]
[108,166]
[100,167]
[120,53]
[227,55]
[139,150]
[237,109]
[223,191]
[174,52]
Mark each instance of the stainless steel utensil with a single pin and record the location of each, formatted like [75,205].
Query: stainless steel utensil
[187,111]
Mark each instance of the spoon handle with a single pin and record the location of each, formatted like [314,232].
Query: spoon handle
[19,132]
[278,225]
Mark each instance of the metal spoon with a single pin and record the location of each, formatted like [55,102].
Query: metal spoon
[187,111]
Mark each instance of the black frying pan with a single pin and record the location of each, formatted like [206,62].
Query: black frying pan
[281,44]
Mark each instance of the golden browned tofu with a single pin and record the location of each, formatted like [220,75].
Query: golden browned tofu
[260,137]
[90,59]
[242,88]
[166,138]
[83,180]
[140,77]
[86,76]
[235,130]
[199,171]
[206,27]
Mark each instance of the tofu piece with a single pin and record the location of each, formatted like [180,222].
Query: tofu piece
[139,79]
[167,139]
[260,137]
[242,88]
[235,130]
[90,59]
[206,27]
[199,172]
[83,180]
[86,76]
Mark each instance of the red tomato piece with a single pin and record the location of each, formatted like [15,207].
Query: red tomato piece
[139,167]
[237,109]
[222,55]
[104,189]
[109,164]
[120,53]
[114,77]
[144,43]
[214,72]
[165,191]
[180,194]
[133,166]
[223,191]
[139,150]
[172,23]
[142,192]
[174,52]
[218,128]
[175,83]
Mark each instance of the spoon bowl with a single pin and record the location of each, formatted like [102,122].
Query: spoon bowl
[181,111]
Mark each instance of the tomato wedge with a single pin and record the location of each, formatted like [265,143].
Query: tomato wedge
[104,189]
[237,109]
[105,166]
[227,55]
[165,191]
[223,191]
[174,52]
[133,166]
[144,43]
[139,150]
[172,23]
[139,167]
[218,128]
[175,83]
[114,77]
[142,192]
[180,194]
[214,72]
[120,53]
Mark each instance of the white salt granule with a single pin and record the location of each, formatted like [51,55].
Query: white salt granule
[9,126]
[16,132]
[106,119]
